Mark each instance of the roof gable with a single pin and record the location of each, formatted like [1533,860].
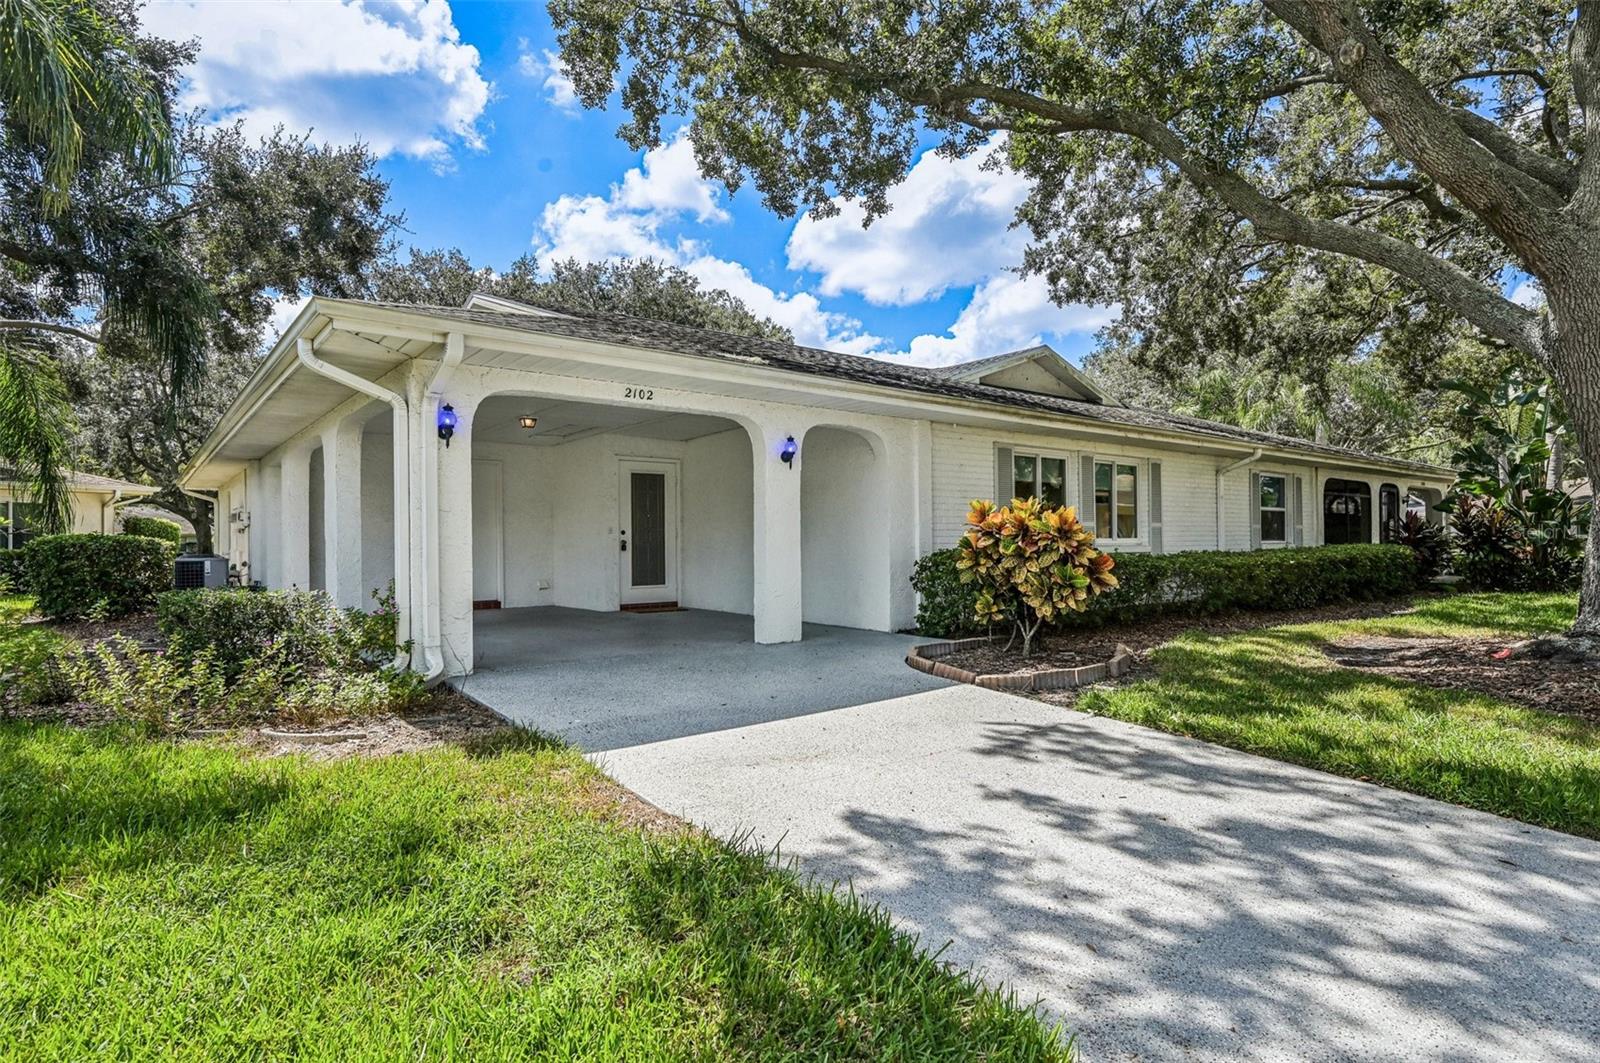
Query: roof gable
[500,304]
[1037,370]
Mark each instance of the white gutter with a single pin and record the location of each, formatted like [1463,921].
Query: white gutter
[305,351]
[426,469]
[110,503]
[1222,497]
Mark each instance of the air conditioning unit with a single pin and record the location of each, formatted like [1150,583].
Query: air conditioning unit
[200,572]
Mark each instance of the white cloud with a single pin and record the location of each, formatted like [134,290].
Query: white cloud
[393,74]
[631,220]
[558,88]
[1007,312]
[1528,294]
[949,228]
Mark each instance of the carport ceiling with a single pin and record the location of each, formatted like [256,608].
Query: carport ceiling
[561,422]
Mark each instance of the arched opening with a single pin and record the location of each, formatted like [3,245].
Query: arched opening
[844,532]
[316,521]
[1388,512]
[600,508]
[377,503]
[1346,512]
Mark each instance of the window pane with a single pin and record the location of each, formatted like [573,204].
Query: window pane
[1127,502]
[1023,473]
[1053,481]
[1272,492]
[25,517]
[1272,526]
[1102,500]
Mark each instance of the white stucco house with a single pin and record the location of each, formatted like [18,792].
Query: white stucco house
[98,503]
[605,462]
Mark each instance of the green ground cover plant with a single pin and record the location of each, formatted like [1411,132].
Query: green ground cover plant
[1273,692]
[164,899]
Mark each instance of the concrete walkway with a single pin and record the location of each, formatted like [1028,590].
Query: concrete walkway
[1167,899]
[611,680]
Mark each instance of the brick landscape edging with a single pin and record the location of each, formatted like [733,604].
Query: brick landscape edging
[925,658]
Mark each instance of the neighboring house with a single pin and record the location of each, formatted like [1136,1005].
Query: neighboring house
[96,505]
[604,462]
[157,513]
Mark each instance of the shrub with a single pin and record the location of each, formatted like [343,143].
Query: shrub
[153,528]
[1198,583]
[302,628]
[1032,565]
[1427,541]
[71,576]
[1496,549]
[13,572]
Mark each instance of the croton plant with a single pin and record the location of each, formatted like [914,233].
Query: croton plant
[1032,563]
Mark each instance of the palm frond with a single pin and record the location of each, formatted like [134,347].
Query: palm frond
[66,66]
[36,430]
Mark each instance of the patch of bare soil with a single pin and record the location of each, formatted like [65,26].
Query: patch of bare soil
[141,629]
[1056,651]
[453,719]
[1511,671]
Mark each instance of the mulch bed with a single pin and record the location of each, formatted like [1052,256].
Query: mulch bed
[1508,670]
[1061,651]
[141,629]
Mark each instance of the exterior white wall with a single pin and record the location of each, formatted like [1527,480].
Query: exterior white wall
[89,511]
[719,523]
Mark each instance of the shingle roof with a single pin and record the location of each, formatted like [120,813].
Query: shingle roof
[622,330]
[86,481]
[978,365]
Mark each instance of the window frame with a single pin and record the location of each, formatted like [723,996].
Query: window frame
[1288,529]
[1039,457]
[1141,474]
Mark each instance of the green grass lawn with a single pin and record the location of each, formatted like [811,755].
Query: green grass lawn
[1273,692]
[181,900]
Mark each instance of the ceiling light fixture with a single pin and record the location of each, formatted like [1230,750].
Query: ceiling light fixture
[527,422]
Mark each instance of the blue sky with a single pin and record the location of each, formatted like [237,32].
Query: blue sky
[486,151]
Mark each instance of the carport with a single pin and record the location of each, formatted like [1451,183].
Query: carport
[610,680]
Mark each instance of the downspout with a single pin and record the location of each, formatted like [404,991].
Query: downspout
[109,504]
[426,468]
[305,350]
[1222,495]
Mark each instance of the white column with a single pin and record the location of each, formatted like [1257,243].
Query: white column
[341,514]
[777,534]
[294,519]
[453,578]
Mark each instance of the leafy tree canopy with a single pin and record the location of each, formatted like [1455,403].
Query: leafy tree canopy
[639,287]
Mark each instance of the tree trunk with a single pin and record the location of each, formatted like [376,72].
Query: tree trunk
[191,509]
[1575,364]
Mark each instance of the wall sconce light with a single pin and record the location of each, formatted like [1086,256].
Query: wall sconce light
[527,422]
[790,449]
[447,423]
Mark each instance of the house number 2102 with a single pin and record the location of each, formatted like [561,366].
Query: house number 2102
[647,394]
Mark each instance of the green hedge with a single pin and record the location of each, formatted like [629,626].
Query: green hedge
[298,628]
[72,576]
[13,572]
[1195,583]
[153,528]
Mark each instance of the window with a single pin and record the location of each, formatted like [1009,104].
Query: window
[1116,500]
[1274,509]
[22,523]
[1039,476]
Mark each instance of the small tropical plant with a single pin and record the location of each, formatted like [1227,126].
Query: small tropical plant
[1428,541]
[1032,564]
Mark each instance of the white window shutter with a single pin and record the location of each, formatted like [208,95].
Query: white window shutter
[1003,473]
[1255,511]
[1155,507]
[1298,501]
[1086,495]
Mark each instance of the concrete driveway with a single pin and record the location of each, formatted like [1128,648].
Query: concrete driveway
[1168,899]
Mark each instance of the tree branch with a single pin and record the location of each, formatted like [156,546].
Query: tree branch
[1518,208]
[19,325]
[1560,175]
[1583,51]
